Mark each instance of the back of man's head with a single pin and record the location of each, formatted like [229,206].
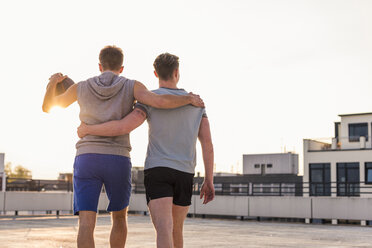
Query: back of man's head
[111,58]
[165,64]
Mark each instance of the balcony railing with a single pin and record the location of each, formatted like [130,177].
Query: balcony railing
[339,143]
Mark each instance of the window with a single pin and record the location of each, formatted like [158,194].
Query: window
[217,188]
[348,179]
[368,173]
[356,130]
[239,189]
[288,189]
[269,165]
[320,179]
[266,189]
[256,166]
[273,189]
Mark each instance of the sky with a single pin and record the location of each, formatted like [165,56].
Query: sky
[271,72]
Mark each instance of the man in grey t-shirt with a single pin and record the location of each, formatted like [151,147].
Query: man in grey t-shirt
[172,131]
[171,155]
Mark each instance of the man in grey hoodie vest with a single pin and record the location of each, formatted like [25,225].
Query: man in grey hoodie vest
[171,154]
[105,160]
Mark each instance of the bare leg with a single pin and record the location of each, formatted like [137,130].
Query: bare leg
[119,228]
[179,215]
[87,222]
[161,216]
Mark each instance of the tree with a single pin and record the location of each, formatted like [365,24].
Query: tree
[22,172]
[18,172]
[8,169]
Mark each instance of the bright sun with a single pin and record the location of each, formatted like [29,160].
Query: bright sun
[55,110]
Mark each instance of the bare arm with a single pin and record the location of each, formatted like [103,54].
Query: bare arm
[114,128]
[205,139]
[63,100]
[143,95]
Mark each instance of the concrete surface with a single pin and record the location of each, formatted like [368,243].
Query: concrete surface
[27,232]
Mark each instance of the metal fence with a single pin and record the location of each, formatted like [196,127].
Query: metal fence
[255,189]
[342,189]
[347,189]
[336,143]
[22,184]
[339,189]
[244,189]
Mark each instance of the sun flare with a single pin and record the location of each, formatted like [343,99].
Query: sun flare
[55,110]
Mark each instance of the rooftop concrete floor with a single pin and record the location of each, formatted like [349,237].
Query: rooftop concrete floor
[27,232]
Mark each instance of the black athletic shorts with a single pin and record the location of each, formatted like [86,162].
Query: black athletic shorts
[166,182]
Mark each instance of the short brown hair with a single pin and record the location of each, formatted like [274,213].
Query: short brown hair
[111,58]
[165,64]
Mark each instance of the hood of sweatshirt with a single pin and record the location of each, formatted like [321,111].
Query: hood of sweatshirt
[106,85]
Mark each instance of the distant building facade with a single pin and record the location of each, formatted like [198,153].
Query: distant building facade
[263,175]
[342,165]
[65,177]
[269,164]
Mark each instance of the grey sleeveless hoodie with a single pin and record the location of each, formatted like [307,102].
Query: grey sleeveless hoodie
[105,98]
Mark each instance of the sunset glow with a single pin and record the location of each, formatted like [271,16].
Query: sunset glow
[270,72]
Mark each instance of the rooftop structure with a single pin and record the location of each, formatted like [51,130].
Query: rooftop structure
[341,165]
[274,163]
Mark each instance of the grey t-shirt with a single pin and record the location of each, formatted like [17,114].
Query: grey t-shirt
[172,134]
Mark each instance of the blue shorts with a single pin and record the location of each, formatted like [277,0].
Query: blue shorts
[91,171]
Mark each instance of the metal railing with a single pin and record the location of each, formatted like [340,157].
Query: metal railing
[22,184]
[255,189]
[138,188]
[344,189]
[339,189]
[339,143]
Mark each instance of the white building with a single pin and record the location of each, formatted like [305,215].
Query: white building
[341,166]
[275,163]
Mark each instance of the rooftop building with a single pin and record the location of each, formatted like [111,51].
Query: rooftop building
[341,165]
[270,164]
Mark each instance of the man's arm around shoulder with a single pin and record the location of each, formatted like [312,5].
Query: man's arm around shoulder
[143,95]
